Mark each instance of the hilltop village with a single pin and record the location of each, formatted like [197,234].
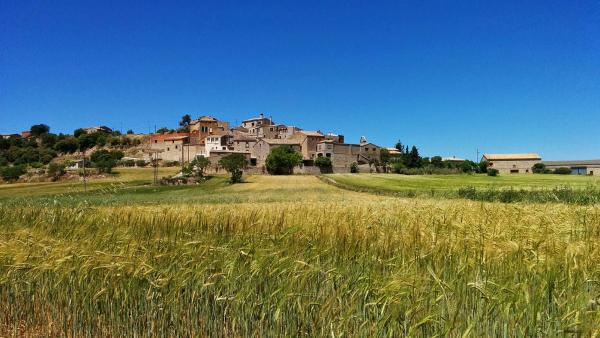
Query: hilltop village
[255,138]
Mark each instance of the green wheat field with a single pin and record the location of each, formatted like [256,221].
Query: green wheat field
[297,256]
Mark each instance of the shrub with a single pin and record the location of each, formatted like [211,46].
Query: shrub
[140,163]
[39,129]
[128,163]
[103,161]
[68,145]
[234,164]
[538,168]
[56,170]
[116,154]
[354,168]
[492,172]
[197,166]
[323,162]
[563,171]
[12,173]
[282,160]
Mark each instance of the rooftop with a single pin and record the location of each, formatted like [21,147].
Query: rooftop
[280,141]
[523,156]
[572,163]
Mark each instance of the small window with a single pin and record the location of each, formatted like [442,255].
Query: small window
[168,149]
[176,147]
[155,141]
[328,155]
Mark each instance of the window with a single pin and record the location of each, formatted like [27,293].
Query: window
[328,155]
[176,147]
[155,141]
[514,171]
[168,149]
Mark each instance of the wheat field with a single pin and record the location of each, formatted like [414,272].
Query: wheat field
[293,256]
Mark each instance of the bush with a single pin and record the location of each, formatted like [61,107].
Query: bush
[492,172]
[103,161]
[282,160]
[354,168]
[234,163]
[171,163]
[197,166]
[68,145]
[323,162]
[12,173]
[56,170]
[563,171]
[128,163]
[538,168]
[140,163]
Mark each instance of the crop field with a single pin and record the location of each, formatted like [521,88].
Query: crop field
[293,256]
[427,183]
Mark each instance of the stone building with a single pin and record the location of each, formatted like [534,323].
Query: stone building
[578,167]
[342,155]
[263,147]
[512,163]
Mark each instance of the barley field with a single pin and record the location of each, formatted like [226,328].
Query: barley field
[292,256]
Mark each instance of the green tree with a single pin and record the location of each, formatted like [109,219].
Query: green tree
[198,166]
[185,120]
[354,168]
[538,168]
[68,145]
[13,173]
[436,161]
[56,170]
[324,163]
[384,156]
[162,130]
[78,132]
[39,130]
[282,160]
[116,154]
[130,132]
[483,166]
[413,158]
[49,140]
[103,161]
[234,164]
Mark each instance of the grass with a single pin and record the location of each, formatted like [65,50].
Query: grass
[291,256]
[388,182]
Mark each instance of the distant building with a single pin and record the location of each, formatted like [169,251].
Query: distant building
[453,159]
[578,167]
[91,130]
[26,134]
[512,163]
[9,136]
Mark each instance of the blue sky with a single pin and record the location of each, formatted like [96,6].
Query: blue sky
[450,77]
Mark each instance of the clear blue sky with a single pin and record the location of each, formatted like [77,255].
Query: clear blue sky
[450,77]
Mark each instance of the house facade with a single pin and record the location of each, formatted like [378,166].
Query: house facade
[512,163]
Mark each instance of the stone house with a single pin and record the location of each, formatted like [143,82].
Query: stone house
[255,125]
[308,143]
[342,155]
[263,147]
[512,163]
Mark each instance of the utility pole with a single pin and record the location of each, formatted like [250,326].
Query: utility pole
[84,181]
[477,158]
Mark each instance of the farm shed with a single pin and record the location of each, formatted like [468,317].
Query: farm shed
[578,167]
[512,163]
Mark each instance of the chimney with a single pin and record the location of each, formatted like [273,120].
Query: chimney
[262,115]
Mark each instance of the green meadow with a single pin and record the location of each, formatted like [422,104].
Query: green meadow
[296,256]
